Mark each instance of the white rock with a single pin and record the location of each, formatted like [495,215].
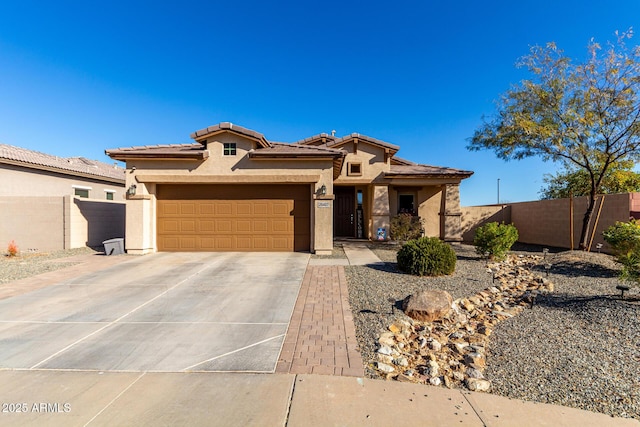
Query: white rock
[401,361]
[475,384]
[385,368]
[435,345]
[385,349]
[435,381]
[474,373]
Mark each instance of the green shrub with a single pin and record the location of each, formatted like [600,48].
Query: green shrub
[427,256]
[624,238]
[405,227]
[495,240]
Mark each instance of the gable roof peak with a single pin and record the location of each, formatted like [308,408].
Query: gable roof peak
[202,134]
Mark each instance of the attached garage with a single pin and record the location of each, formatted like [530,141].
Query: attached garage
[209,217]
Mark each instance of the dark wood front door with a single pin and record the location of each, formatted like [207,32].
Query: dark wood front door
[344,212]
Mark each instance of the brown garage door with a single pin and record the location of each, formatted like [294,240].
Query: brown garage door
[233,217]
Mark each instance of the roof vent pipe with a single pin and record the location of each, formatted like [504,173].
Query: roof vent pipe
[333,132]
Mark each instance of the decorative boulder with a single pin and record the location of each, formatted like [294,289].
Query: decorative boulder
[428,306]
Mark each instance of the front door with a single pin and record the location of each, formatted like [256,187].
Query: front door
[344,212]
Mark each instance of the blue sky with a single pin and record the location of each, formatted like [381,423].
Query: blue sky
[77,77]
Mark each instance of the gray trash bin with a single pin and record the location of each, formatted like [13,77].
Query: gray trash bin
[113,246]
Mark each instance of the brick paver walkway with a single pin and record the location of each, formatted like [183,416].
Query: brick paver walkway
[322,338]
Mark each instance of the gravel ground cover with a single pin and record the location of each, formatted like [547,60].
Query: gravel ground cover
[31,264]
[337,253]
[579,346]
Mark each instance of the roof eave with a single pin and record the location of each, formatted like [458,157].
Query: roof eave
[124,156]
[299,156]
[64,171]
[461,175]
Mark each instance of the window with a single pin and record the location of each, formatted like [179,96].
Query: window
[355,169]
[406,204]
[81,192]
[229,149]
[109,194]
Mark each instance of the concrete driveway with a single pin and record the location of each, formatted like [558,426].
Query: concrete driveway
[166,312]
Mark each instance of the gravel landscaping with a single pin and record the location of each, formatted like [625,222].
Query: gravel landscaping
[578,346]
[30,264]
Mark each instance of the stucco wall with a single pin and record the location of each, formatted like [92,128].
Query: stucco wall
[55,223]
[20,181]
[370,158]
[94,221]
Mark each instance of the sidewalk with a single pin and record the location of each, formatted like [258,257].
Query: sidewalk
[71,398]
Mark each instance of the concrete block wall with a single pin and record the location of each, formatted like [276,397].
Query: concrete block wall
[476,216]
[35,223]
[548,222]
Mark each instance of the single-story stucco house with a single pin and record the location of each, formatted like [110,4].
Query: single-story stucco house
[234,190]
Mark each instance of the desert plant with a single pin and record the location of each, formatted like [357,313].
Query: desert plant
[427,256]
[495,239]
[624,238]
[405,227]
[12,249]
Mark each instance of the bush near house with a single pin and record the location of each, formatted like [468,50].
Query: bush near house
[427,256]
[624,238]
[405,227]
[495,239]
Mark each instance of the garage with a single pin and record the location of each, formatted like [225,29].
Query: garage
[208,217]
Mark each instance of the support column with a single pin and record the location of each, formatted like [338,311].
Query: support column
[452,215]
[140,234]
[323,224]
[380,215]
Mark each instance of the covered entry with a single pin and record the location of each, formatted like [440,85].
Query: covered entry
[208,217]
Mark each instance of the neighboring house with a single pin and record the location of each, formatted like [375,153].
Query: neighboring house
[30,173]
[50,203]
[234,190]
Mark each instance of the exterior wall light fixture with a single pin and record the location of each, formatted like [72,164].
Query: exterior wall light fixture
[323,190]
[131,191]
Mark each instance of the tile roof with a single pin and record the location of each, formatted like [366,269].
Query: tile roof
[416,170]
[316,139]
[69,165]
[284,149]
[233,128]
[193,150]
[374,141]
[395,160]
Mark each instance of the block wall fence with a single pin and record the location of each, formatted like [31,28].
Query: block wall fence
[56,223]
[548,222]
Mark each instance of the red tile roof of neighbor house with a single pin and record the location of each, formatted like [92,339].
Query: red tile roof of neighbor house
[10,154]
